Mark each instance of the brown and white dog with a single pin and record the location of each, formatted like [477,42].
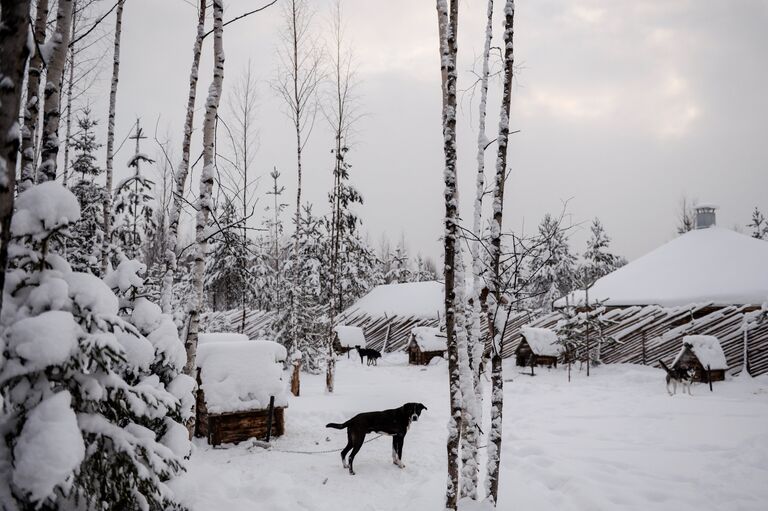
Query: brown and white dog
[394,422]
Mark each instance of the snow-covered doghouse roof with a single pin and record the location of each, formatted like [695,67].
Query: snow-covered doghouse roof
[712,265]
[350,336]
[412,299]
[542,341]
[429,338]
[241,375]
[707,349]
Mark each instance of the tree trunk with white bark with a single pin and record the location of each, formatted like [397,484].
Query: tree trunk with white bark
[13,57]
[49,139]
[204,204]
[448,26]
[32,109]
[497,378]
[166,295]
[107,207]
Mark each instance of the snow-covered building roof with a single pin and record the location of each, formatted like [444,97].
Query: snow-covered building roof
[413,299]
[707,349]
[712,265]
[241,375]
[429,338]
[542,341]
[350,336]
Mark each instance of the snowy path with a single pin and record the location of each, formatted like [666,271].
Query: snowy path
[613,441]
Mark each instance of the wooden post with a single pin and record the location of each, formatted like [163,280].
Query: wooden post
[709,377]
[295,381]
[270,414]
[643,340]
[746,352]
[386,336]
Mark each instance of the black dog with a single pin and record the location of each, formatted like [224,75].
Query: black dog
[373,355]
[677,375]
[393,422]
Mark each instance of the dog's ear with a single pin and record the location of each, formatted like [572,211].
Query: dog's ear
[422,406]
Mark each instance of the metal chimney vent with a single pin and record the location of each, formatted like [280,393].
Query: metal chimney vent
[705,216]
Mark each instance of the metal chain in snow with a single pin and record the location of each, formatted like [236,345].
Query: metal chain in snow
[269,447]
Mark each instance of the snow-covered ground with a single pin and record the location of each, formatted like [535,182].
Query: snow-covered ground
[615,440]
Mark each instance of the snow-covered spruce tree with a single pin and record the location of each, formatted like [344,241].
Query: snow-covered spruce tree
[554,265]
[133,211]
[448,20]
[85,240]
[228,270]
[13,57]
[424,269]
[32,107]
[106,247]
[204,204]
[167,292]
[92,398]
[272,258]
[580,332]
[400,265]
[598,261]
[758,225]
[497,379]
[49,137]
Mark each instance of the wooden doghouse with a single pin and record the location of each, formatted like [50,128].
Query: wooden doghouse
[538,347]
[346,338]
[704,356]
[426,343]
[237,380]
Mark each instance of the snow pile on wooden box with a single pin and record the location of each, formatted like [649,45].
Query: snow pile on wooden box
[222,337]
[241,375]
[429,338]
[707,349]
[542,341]
[350,336]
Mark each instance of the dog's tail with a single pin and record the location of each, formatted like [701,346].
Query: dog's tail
[336,426]
[664,366]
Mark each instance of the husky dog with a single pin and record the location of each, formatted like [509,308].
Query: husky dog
[395,422]
[373,355]
[676,376]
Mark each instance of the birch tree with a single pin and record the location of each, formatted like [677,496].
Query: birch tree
[49,139]
[13,57]
[497,379]
[298,78]
[166,294]
[32,108]
[448,26]
[204,204]
[476,344]
[105,250]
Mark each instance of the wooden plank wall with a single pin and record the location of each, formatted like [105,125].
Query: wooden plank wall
[643,334]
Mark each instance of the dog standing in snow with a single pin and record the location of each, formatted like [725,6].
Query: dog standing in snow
[373,355]
[394,422]
[676,376]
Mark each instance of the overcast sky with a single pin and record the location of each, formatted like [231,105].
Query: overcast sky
[623,107]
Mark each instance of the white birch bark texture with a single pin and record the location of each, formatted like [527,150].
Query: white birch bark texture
[497,379]
[299,76]
[70,85]
[13,57]
[107,207]
[476,344]
[448,26]
[166,294]
[49,139]
[32,108]
[204,204]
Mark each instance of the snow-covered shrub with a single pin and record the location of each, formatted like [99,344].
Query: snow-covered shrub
[92,397]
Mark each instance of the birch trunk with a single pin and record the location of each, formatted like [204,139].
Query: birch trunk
[13,57]
[49,140]
[166,295]
[68,133]
[32,109]
[107,207]
[497,379]
[205,201]
[448,23]
[476,344]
